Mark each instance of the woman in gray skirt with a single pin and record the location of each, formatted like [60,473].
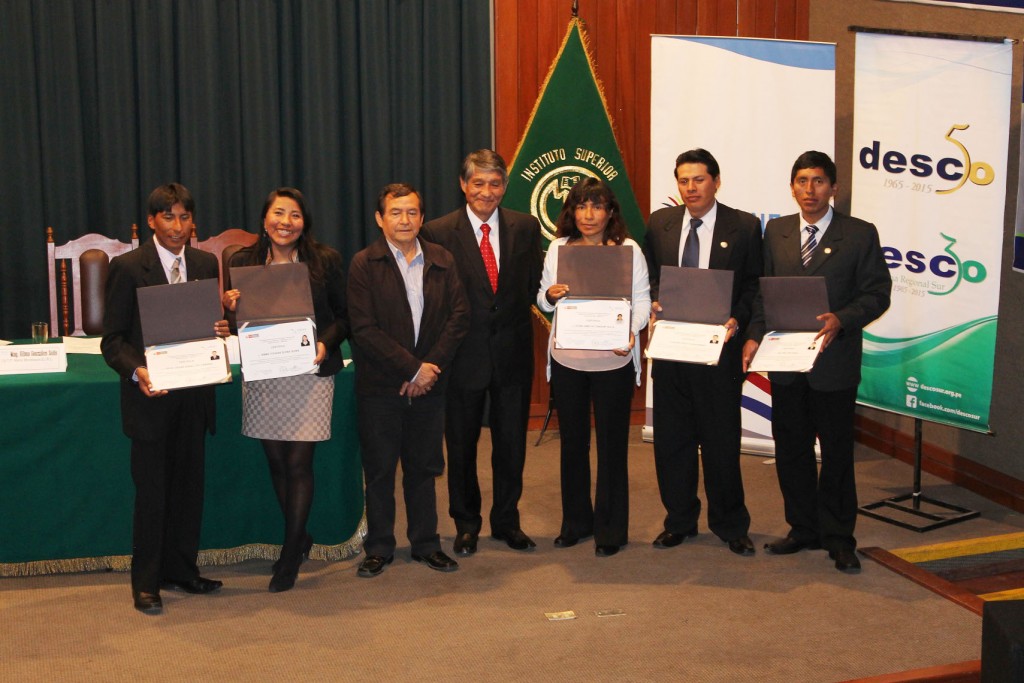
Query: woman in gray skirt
[290,414]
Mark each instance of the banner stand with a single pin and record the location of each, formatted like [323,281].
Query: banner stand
[933,520]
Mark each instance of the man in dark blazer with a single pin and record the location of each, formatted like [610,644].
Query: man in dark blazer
[408,315]
[167,429]
[821,509]
[698,406]
[496,358]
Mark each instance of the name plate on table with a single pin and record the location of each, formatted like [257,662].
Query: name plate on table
[686,342]
[188,364]
[281,349]
[592,324]
[25,359]
[786,352]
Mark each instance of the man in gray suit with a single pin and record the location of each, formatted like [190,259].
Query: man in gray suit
[699,405]
[821,509]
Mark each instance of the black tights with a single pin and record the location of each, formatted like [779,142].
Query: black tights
[291,470]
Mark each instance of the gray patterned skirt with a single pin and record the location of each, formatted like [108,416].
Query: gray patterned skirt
[288,408]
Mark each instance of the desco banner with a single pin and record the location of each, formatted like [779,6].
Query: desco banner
[756,118]
[929,170]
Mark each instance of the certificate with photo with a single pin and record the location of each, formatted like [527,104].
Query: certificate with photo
[177,330]
[592,324]
[188,364]
[786,352]
[791,309]
[281,349]
[276,329]
[686,342]
[695,305]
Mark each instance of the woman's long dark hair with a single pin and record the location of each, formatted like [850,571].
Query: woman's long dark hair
[315,255]
[597,191]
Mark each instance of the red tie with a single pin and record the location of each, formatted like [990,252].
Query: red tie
[490,263]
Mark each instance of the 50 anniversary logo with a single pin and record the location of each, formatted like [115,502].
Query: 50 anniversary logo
[947,265]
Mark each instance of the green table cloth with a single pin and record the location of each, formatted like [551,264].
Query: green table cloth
[67,492]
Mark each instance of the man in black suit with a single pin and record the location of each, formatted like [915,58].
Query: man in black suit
[698,406]
[167,429]
[819,241]
[408,315]
[499,259]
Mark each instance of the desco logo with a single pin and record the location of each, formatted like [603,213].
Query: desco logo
[945,265]
[923,166]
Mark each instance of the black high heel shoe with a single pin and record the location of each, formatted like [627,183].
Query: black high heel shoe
[286,569]
[305,554]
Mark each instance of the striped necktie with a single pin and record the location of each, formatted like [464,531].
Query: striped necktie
[808,249]
[176,271]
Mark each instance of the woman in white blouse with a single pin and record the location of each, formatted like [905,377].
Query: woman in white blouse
[591,217]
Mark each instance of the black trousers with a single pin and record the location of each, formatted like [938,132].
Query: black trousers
[168,473]
[823,506]
[697,414]
[507,417]
[611,393]
[393,429]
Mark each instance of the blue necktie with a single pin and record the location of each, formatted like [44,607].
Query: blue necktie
[691,250]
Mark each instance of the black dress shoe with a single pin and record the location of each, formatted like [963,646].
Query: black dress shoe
[373,565]
[465,544]
[667,539]
[742,546]
[515,538]
[148,603]
[606,550]
[438,561]
[568,541]
[196,586]
[846,560]
[790,545]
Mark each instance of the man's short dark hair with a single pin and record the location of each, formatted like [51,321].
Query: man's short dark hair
[164,197]
[397,190]
[814,159]
[697,156]
[484,161]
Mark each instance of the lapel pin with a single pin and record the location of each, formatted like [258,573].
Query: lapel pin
[828,250]
[723,244]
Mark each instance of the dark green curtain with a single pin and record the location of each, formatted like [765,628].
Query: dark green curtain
[106,99]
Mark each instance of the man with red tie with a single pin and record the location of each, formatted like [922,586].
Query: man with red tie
[498,256]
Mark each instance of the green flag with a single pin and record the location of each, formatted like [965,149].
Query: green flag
[569,137]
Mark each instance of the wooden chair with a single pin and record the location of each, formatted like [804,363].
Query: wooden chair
[224,245]
[82,293]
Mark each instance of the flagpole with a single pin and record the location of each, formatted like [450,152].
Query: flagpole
[575,9]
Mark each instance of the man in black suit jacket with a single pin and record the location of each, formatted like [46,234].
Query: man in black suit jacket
[821,509]
[167,429]
[496,358]
[698,406]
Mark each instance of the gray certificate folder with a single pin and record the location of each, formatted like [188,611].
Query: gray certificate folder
[793,304]
[596,272]
[179,313]
[273,293]
[695,295]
